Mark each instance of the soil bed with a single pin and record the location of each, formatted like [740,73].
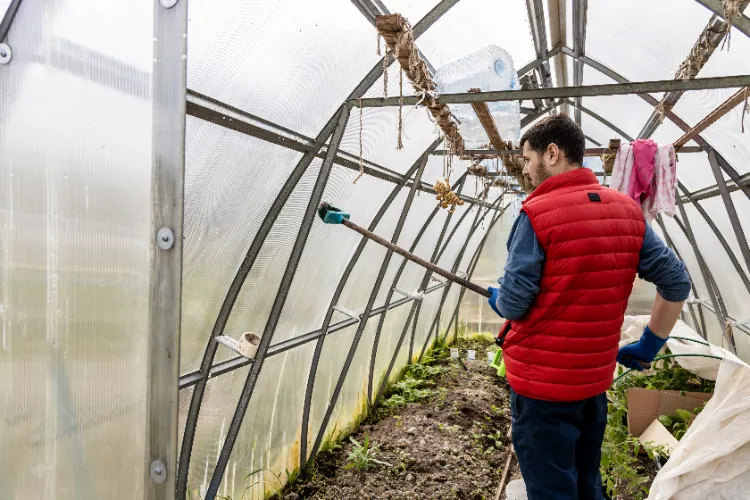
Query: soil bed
[453,444]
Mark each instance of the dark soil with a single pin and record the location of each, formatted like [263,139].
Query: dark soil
[453,445]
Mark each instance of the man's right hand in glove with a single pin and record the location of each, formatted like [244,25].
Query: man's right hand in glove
[645,350]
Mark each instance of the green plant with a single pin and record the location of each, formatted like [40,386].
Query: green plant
[362,456]
[679,424]
[619,462]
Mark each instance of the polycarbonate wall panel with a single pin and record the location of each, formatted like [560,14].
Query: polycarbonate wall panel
[75,239]
[473,24]
[327,252]
[351,404]
[424,322]
[217,408]
[731,287]
[726,134]
[714,206]
[254,303]
[269,437]
[291,61]
[231,180]
[623,34]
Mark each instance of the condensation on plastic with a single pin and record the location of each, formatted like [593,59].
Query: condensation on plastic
[75,237]
[623,34]
[231,180]
[292,61]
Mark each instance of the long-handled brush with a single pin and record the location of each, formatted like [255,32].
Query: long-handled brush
[333,215]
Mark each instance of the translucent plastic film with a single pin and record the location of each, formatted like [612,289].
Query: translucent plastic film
[75,237]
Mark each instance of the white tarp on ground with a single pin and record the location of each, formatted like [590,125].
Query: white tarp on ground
[712,460]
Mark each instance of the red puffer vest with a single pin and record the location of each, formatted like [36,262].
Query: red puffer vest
[565,347]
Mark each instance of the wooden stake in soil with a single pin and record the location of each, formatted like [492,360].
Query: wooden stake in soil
[506,469]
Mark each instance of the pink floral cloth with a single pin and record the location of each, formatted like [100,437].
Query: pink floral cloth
[644,151]
[662,186]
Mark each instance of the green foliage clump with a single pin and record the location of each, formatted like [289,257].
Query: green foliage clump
[619,463]
[362,456]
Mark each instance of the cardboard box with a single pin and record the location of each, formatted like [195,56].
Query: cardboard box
[646,405]
[658,434]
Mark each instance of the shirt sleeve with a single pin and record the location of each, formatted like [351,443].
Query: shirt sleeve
[660,266]
[523,270]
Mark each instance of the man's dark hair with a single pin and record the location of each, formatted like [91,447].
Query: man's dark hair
[558,129]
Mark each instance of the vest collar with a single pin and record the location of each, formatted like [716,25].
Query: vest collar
[578,177]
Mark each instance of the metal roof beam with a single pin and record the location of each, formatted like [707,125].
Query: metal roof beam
[563,92]
[538,26]
[580,8]
[712,191]
[742,23]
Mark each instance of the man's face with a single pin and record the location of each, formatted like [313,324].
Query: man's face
[536,168]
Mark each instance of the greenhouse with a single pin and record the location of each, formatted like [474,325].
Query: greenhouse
[246,247]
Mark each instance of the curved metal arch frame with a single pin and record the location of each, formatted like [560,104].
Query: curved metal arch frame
[355,342]
[301,167]
[421,162]
[700,327]
[194,410]
[475,225]
[376,341]
[454,268]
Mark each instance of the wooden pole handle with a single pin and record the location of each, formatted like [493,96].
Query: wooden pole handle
[414,258]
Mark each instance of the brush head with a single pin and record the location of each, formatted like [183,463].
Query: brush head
[330,214]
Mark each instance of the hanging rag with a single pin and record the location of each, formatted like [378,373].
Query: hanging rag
[623,168]
[664,185]
[644,151]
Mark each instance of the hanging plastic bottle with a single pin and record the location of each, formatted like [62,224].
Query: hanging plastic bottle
[490,68]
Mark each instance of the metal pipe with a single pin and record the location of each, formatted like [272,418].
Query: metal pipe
[580,9]
[7,20]
[562,92]
[192,378]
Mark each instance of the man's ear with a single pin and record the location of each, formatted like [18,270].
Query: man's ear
[554,153]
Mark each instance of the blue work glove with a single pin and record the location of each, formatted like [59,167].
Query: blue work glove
[645,350]
[493,299]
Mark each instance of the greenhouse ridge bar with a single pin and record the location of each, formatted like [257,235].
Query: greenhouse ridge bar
[719,82]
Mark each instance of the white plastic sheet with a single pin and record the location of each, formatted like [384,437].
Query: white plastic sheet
[713,458]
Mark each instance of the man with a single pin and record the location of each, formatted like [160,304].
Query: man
[573,255]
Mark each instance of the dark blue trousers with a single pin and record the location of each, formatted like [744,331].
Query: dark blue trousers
[559,446]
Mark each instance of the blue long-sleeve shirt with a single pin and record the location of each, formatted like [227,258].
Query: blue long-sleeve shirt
[523,269]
